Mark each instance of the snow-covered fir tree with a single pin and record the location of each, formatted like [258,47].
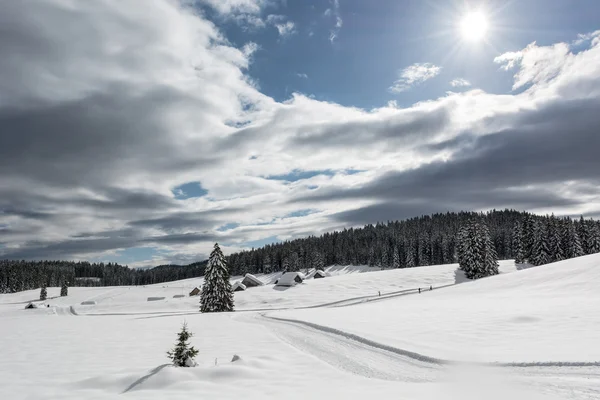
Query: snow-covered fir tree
[396,258]
[43,293]
[182,355]
[476,253]
[540,254]
[267,264]
[517,243]
[64,289]
[582,230]
[371,262]
[571,240]
[556,251]
[593,237]
[217,294]
[317,260]
[285,265]
[528,228]
[410,256]
[385,262]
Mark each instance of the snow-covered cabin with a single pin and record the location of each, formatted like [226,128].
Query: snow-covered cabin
[290,279]
[195,291]
[320,274]
[238,287]
[251,281]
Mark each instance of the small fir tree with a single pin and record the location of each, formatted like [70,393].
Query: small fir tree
[64,290]
[182,354]
[44,293]
[217,294]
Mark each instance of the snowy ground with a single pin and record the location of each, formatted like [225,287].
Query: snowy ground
[522,335]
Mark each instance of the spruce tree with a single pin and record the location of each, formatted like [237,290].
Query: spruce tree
[43,293]
[490,260]
[476,252]
[64,289]
[385,263]
[540,254]
[574,242]
[517,243]
[556,250]
[410,256]
[396,258]
[528,236]
[217,294]
[285,267]
[593,237]
[182,355]
[582,230]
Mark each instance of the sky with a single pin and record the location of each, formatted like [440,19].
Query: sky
[143,135]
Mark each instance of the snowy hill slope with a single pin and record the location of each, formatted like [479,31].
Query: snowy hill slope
[117,347]
[347,282]
[540,315]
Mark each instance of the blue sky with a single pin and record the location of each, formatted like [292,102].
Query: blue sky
[377,39]
[165,128]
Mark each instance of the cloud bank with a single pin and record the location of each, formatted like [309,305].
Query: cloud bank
[97,134]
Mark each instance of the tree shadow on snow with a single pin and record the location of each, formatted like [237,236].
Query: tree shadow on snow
[145,377]
[523,266]
[281,288]
[459,276]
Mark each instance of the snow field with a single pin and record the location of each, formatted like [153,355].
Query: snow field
[547,314]
[394,347]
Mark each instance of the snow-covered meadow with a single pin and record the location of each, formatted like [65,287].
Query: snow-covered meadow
[525,334]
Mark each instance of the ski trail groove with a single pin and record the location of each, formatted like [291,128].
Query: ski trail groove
[354,357]
[427,359]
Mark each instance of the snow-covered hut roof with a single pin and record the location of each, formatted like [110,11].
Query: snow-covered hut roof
[251,280]
[290,279]
[320,274]
[238,286]
[195,291]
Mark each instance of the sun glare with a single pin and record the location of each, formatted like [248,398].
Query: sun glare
[473,26]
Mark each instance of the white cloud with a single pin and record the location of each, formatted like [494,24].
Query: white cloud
[334,12]
[509,60]
[582,38]
[460,82]
[537,65]
[303,76]
[238,6]
[284,28]
[246,13]
[414,75]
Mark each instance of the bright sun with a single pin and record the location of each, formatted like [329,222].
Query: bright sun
[473,26]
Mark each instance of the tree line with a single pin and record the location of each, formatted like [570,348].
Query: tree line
[426,240]
[19,275]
